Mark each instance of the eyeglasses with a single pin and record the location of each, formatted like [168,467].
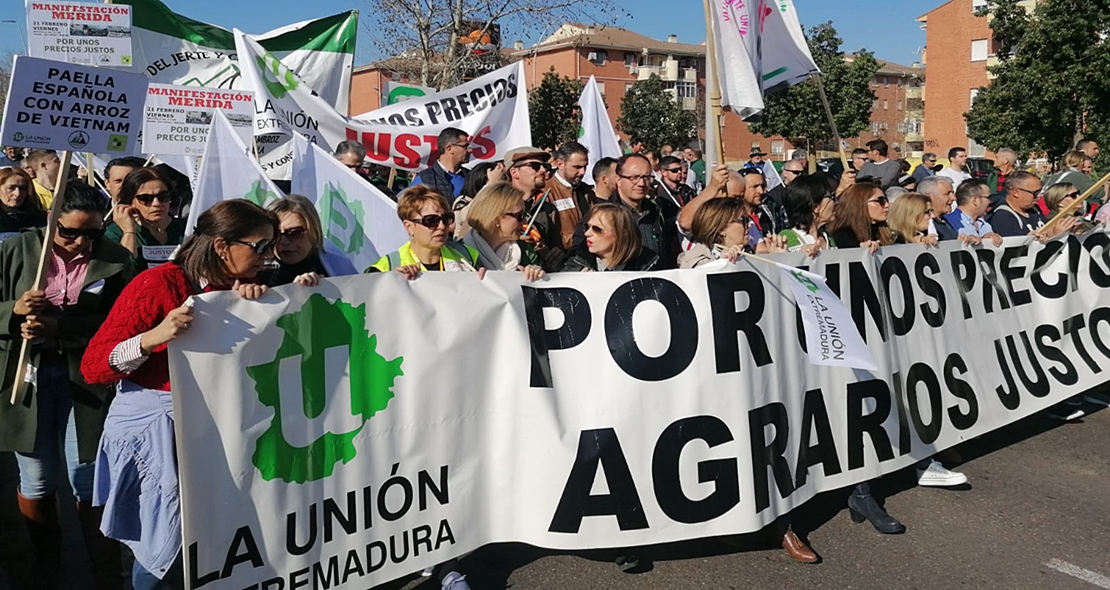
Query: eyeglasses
[1074,195]
[518,215]
[674,170]
[164,197]
[433,221]
[1035,193]
[72,233]
[637,179]
[294,233]
[260,247]
[798,172]
[596,229]
[537,166]
[882,201]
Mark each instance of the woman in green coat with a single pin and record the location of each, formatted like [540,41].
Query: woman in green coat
[61,414]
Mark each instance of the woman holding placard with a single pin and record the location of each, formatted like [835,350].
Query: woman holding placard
[58,427]
[141,220]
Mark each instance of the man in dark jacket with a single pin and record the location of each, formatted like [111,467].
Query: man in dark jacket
[446,174]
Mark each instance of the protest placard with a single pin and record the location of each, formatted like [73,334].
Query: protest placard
[58,106]
[80,32]
[177,118]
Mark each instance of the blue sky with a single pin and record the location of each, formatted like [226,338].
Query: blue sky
[887,28]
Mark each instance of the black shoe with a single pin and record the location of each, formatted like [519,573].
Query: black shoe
[866,508]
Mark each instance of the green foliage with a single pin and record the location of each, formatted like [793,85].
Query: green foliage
[553,105]
[1050,86]
[650,114]
[797,112]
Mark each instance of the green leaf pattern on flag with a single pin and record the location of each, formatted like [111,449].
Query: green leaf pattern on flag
[283,79]
[342,219]
[259,195]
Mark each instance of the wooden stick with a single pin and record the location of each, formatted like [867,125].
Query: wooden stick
[1075,204]
[19,388]
[90,169]
[392,178]
[148,161]
[832,122]
[759,258]
[716,111]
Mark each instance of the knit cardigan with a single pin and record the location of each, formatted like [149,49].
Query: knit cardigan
[142,305]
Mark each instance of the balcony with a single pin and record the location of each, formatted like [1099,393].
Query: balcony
[668,71]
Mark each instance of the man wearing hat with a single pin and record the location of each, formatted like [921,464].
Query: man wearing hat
[755,159]
[528,171]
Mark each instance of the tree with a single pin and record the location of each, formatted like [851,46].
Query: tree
[553,107]
[797,113]
[651,114]
[1049,89]
[429,33]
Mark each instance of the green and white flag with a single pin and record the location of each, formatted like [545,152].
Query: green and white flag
[227,171]
[175,49]
[359,221]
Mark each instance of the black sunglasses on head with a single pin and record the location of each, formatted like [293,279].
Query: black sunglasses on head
[165,197]
[72,233]
[433,221]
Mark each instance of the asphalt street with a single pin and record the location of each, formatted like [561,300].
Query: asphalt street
[1035,515]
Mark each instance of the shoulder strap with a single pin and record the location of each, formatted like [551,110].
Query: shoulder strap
[394,259]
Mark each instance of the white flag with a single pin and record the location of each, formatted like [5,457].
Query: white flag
[771,176]
[597,131]
[831,335]
[359,221]
[736,34]
[786,57]
[227,171]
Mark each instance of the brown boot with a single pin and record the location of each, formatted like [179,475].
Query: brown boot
[796,549]
[104,553]
[41,518]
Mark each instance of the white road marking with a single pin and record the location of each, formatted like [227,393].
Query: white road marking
[1075,571]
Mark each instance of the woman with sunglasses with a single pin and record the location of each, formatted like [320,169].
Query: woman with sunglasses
[909,220]
[85,276]
[431,224]
[142,222]
[859,218]
[493,227]
[299,247]
[720,230]
[613,242]
[136,469]
[1060,196]
[809,205]
[19,207]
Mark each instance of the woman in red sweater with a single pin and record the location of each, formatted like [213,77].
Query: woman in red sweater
[136,469]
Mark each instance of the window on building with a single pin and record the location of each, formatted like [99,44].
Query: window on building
[627,88]
[899,106]
[598,57]
[974,95]
[778,147]
[886,82]
[601,88]
[755,145]
[630,59]
[686,89]
[979,50]
[977,4]
[886,105]
[874,127]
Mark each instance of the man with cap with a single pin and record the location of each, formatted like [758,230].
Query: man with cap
[529,171]
[756,159]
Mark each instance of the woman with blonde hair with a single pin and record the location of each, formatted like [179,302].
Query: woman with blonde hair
[299,246]
[493,223]
[909,220]
[613,242]
[1058,197]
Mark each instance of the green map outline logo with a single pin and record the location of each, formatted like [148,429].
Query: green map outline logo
[318,326]
[259,194]
[283,80]
[337,212]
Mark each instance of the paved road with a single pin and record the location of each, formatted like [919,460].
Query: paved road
[1039,495]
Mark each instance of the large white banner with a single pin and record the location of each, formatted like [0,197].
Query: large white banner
[80,32]
[362,430]
[493,109]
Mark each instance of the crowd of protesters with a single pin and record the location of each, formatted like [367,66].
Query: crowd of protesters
[121,273]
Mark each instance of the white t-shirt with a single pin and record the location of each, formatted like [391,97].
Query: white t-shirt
[957,177]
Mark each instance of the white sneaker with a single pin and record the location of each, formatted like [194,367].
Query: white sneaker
[935,475]
[1096,400]
[1065,415]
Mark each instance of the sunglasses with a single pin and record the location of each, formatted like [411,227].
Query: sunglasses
[832,197]
[1074,195]
[72,233]
[798,172]
[674,170]
[882,201]
[433,221]
[518,215]
[164,197]
[537,166]
[928,212]
[294,233]
[261,247]
[595,229]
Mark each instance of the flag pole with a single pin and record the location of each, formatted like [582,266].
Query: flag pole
[832,123]
[715,113]
[19,387]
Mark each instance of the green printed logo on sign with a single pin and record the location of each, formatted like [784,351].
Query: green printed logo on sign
[283,79]
[342,219]
[117,143]
[312,336]
[78,139]
[805,281]
[259,195]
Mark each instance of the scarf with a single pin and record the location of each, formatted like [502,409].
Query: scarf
[506,257]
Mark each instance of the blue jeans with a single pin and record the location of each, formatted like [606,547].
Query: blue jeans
[55,441]
[144,580]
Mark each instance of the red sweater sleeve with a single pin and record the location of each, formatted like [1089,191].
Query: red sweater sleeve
[142,305]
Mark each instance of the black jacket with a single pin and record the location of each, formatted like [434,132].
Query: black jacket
[436,177]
